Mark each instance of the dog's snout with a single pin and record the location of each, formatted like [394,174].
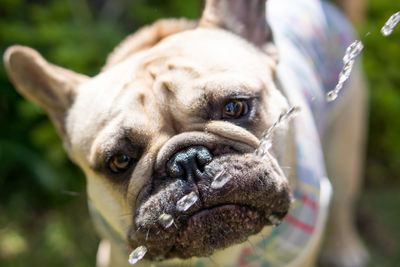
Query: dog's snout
[189,162]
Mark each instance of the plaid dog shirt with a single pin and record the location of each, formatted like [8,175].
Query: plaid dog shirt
[311,37]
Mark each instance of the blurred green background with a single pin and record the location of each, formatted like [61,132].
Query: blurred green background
[43,214]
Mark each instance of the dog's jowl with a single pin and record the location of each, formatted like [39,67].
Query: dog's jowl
[167,133]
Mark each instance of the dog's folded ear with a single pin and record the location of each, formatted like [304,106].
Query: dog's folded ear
[51,87]
[242,17]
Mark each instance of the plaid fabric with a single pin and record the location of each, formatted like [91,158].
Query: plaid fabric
[312,37]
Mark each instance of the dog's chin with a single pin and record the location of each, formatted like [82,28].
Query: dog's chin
[222,216]
[216,228]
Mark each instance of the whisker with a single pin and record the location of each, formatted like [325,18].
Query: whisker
[147,234]
[125,214]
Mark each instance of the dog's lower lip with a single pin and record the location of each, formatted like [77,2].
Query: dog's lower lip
[215,228]
[203,212]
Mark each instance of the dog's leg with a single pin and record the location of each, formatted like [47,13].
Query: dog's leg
[108,255]
[344,152]
[103,256]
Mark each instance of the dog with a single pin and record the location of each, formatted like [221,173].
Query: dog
[180,104]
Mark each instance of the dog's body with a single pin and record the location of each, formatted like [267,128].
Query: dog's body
[176,105]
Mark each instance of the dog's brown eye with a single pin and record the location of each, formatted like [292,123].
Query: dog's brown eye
[235,109]
[119,163]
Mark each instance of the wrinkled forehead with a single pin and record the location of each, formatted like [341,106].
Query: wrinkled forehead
[216,50]
[193,65]
[111,100]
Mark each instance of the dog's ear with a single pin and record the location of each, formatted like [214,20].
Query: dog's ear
[51,87]
[242,17]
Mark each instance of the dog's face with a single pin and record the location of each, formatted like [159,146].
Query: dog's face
[164,123]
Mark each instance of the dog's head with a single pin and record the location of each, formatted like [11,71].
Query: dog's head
[177,111]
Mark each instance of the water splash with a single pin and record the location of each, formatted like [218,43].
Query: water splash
[263,148]
[166,220]
[352,51]
[137,254]
[343,76]
[220,179]
[266,143]
[387,29]
[284,117]
[186,201]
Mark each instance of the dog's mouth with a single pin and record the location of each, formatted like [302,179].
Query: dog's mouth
[221,211]
[215,228]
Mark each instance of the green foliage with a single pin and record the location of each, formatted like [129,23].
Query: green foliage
[382,66]
[378,221]
[41,222]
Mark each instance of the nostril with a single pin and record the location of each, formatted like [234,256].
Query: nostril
[175,169]
[188,162]
[203,156]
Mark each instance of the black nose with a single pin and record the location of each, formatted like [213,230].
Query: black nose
[189,162]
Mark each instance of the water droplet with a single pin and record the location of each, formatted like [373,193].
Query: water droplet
[265,142]
[387,29]
[345,74]
[137,254]
[186,201]
[352,51]
[284,117]
[263,148]
[274,220]
[220,179]
[166,220]
[331,95]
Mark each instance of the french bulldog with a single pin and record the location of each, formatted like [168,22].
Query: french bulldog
[178,105]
